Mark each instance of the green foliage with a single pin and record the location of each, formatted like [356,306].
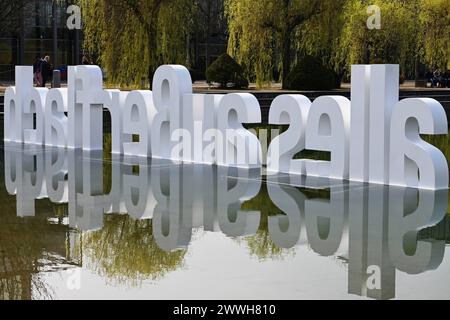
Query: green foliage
[125,251]
[261,244]
[441,142]
[226,70]
[25,246]
[311,74]
[434,18]
[336,31]
[413,30]
[249,43]
[133,37]
[269,35]
[393,43]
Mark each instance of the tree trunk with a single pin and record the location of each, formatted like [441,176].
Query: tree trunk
[367,57]
[77,47]
[188,51]
[286,57]
[208,24]
[153,49]
[416,69]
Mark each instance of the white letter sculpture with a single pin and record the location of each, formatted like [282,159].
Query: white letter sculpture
[413,162]
[372,139]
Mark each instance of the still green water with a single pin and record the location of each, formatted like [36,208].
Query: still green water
[88,225]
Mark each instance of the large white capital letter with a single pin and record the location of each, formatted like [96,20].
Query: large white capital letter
[384,94]
[170,84]
[289,110]
[85,126]
[328,130]
[92,81]
[413,162]
[114,101]
[241,148]
[55,119]
[14,98]
[359,133]
[33,104]
[138,116]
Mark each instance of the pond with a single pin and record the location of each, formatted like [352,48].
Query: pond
[88,225]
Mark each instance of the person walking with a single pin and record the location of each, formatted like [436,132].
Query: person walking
[37,74]
[46,70]
[435,79]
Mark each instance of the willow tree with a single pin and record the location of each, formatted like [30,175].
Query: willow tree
[133,37]
[125,251]
[393,42]
[261,244]
[267,34]
[434,35]
[411,31]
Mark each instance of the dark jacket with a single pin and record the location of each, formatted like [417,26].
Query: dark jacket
[46,69]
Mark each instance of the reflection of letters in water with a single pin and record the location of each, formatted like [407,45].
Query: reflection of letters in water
[372,227]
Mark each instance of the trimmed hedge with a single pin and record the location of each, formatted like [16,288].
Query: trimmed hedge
[225,70]
[311,74]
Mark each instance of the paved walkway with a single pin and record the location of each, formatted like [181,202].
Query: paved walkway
[202,86]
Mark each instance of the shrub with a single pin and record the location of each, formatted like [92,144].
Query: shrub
[311,74]
[225,70]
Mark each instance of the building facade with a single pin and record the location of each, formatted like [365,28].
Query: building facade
[34,28]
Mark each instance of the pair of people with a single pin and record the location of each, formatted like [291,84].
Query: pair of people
[440,79]
[42,70]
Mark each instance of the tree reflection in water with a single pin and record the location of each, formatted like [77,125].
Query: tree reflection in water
[124,251]
[29,246]
[261,244]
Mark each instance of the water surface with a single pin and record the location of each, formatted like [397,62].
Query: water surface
[88,225]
